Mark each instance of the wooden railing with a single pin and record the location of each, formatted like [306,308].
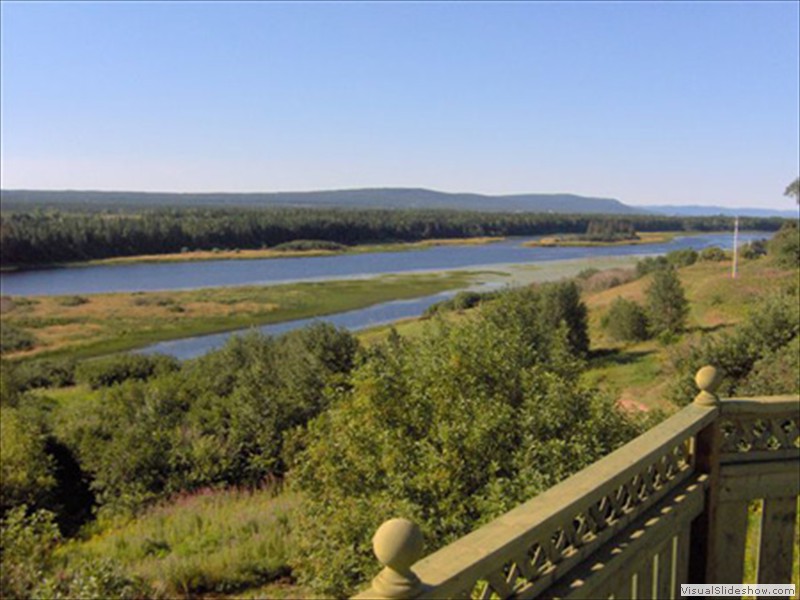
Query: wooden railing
[668,508]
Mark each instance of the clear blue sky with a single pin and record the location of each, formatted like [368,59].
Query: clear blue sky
[646,102]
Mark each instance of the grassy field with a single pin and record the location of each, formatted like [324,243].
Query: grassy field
[635,373]
[205,543]
[91,325]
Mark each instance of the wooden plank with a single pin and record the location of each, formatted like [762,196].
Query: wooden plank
[776,542]
[624,588]
[644,581]
[681,561]
[707,453]
[726,565]
[755,481]
[664,570]
[761,407]
[759,456]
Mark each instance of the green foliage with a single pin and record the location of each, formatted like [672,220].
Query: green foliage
[206,542]
[626,321]
[753,250]
[758,357]
[713,253]
[72,300]
[26,470]
[682,258]
[310,245]
[460,302]
[651,264]
[14,339]
[784,246]
[45,373]
[32,569]
[221,419]
[451,429]
[667,307]
[793,190]
[610,230]
[105,372]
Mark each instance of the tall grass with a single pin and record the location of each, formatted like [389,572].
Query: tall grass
[208,541]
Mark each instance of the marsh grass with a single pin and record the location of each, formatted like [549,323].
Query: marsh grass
[117,322]
[217,542]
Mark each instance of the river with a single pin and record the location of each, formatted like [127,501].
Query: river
[147,277]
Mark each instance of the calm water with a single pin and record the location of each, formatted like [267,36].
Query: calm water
[192,275]
[388,312]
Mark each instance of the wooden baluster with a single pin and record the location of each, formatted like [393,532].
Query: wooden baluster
[777,540]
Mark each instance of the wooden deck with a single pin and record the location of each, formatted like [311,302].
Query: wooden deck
[670,507]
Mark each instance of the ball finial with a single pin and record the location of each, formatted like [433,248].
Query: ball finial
[397,544]
[707,379]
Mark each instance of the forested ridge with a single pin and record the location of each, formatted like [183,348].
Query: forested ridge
[47,237]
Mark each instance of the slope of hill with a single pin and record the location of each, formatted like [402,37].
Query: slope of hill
[708,211]
[396,198]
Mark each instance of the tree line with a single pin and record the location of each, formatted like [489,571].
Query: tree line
[43,237]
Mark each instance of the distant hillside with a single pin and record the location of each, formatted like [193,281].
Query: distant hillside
[395,198]
[708,211]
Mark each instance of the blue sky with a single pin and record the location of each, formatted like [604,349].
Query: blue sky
[647,102]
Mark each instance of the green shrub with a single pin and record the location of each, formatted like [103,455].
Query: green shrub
[650,264]
[26,470]
[756,357]
[450,430]
[105,372]
[45,373]
[626,321]
[784,246]
[667,307]
[753,250]
[72,300]
[713,254]
[14,339]
[682,258]
[32,569]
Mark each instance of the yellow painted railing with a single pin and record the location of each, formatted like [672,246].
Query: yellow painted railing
[670,507]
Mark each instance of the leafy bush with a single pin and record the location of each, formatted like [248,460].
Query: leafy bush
[450,430]
[45,373]
[626,321]
[757,357]
[682,258]
[26,470]
[650,264]
[713,254]
[72,300]
[31,568]
[14,339]
[753,250]
[785,245]
[105,372]
[667,307]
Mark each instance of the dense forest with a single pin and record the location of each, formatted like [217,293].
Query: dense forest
[49,237]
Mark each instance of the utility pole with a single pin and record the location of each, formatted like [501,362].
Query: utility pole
[735,247]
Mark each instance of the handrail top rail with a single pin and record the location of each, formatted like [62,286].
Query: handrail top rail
[492,542]
[767,406]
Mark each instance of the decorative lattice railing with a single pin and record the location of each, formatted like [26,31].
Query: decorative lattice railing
[656,513]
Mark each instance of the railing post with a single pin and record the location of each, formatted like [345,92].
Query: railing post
[702,551]
[397,544]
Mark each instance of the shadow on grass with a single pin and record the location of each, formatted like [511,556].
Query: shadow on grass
[607,357]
